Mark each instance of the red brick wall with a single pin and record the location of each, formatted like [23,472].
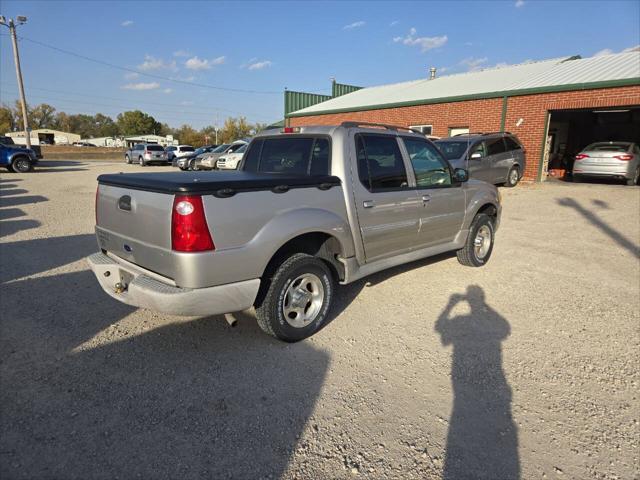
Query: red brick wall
[485,115]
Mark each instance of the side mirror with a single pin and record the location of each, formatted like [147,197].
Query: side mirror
[476,156]
[460,175]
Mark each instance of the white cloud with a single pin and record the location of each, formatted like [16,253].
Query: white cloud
[168,90]
[604,51]
[394,23]
[195,63]
[186,103]
[131,75]
[425,43]
[181,53]
[468,44]
[260,65]
[358,24]
[520,3]
[126,23]
[141,86]
[153,63]
[474,64]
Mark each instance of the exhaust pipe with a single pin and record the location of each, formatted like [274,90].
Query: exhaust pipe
[231,320]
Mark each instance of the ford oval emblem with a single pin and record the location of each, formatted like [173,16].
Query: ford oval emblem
[127,248]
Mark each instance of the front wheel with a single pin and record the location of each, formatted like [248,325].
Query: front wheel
[294,302]
[21,165]
[479,245]
[513,177]
[127,160]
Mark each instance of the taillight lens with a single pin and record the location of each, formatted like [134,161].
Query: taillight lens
[580,156]
[626,157]
[290,130]
[189,229]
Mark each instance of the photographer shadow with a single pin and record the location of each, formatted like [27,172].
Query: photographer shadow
[482,441]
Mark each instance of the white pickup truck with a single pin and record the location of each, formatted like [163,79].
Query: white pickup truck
[309,208]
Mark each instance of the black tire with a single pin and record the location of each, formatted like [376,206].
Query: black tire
[636,178]
[576,178]
[273,295]
[21,164]
[127,160]
[513,177]
[468,255]
[141,162]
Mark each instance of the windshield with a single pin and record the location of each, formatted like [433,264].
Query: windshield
[221,148]
[608,147]
[453,150]
[155,148]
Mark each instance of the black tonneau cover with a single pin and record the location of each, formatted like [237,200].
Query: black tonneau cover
[220,184]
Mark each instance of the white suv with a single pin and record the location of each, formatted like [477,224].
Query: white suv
[177,151]
[230,161]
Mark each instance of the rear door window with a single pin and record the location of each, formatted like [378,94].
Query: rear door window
[495,146]
[380,163]
[290,155]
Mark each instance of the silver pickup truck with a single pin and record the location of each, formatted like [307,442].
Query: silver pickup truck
[309,208]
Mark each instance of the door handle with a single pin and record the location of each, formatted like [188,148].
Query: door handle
[368,204]
[426,198]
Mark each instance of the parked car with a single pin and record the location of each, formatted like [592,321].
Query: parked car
[145,154]
[183,162]
[496,158]
[83,144]
[311,206]
[178,151]
[9,142]
[230,161]
[609,160]
[209,161]
[16,158]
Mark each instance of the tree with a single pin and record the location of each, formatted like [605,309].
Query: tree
[105,126]
[42,116]
[137,123]
[234,129]
[7,119]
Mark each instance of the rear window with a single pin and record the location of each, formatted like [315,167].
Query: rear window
[495,146]
[453,150]
[608,147]
[291,155]
[155,148]
[512,144]
[187,149]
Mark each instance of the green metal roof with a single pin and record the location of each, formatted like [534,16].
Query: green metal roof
[559,74]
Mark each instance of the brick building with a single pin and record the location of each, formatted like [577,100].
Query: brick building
[555,107]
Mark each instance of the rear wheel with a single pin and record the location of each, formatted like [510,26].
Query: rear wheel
[294,301]
[513,177]
[21,164]
[479,245]
[141,162]
[636,178]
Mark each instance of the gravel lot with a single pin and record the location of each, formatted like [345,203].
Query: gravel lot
[527,368]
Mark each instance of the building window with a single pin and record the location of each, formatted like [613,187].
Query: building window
[424,129]
[453,131]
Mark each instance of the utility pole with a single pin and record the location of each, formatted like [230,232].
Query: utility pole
[20,19]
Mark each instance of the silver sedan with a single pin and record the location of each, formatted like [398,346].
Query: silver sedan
[609,160]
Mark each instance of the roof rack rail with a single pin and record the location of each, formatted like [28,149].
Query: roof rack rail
[381,125]
[480,133]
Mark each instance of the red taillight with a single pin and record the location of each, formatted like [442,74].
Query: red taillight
[626,157]
[290,130]
[189,229]
[580,156]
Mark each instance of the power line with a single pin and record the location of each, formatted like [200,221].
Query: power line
[181,107]
[201,114]
[150,75]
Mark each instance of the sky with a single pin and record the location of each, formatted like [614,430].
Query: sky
[199,62]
